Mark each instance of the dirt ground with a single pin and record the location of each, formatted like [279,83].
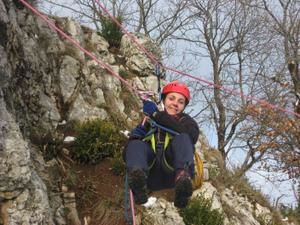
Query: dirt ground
[99,193]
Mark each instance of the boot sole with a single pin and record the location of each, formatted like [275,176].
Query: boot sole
[137,183]
[183,191]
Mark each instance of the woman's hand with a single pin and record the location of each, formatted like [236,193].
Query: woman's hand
[139,132]
[149,108]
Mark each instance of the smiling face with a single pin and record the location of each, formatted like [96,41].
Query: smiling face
[174,103]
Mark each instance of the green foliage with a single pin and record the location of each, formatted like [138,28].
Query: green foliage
[245,188]
[274,220]
[124,74]
[118,165]
[292,213]
[226,179]
[131,102]
[213,172]
[71,178]
[297,213]
[19,5]
[111,31]
[262,220]
[199,212]
[48,141]
[96,140]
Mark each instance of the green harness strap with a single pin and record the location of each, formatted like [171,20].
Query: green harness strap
[151,139]
[198,178]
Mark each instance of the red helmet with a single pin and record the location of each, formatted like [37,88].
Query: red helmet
[176,86]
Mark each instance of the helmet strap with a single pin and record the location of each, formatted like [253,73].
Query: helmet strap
[162,104]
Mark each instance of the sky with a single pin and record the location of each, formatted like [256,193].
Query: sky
[202,69]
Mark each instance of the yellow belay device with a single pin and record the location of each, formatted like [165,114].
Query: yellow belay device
[198,178]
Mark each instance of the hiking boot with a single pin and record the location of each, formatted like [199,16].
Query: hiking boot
[183,189]
[138,184]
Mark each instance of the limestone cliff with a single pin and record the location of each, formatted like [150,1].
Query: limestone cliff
[45,82]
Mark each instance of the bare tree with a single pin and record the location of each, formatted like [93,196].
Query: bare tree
[284,25]
[244,58]
[157,19]
[224,30]
[284,22]
[88,11]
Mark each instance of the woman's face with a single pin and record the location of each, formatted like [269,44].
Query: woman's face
[174,103]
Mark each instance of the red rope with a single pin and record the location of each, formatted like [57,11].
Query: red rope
[263,103]
[132,207]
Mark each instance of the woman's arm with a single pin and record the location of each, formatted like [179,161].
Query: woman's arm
[185,124]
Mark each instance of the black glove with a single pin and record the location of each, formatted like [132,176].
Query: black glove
[139,132]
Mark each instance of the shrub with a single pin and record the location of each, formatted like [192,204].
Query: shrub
[96,140]
[71,178]
[111,31]
[199,212]
[124,74]
[264,220]
[118,165]
[231,178]
[48,141]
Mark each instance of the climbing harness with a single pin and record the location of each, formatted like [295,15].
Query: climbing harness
[160,147]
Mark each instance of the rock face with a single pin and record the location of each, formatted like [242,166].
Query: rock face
[161,212]
[137,62]
[44,81]
[23,194]
[59,82]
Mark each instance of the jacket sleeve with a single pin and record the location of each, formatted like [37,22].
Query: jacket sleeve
[185,124]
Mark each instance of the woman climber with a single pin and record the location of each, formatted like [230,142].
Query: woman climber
[157,159]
